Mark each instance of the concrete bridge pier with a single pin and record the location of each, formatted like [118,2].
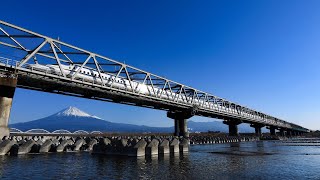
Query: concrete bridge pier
[7,88]
[272,130]
[233,126]
[281,132]
[180,128]
[257,128]
[295,133]
[298,133]
[180,122]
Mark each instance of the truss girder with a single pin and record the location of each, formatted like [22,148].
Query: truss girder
[38,54]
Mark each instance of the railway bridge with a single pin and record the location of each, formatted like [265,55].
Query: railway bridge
[33,61]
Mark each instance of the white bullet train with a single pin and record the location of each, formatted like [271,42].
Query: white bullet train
[88,74]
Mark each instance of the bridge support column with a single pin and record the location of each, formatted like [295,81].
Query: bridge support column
[257,128]
[180,122]
[289,133]
[272,130]
[298,133]
[282,133]
[180,127]
[7,89]
[233,127]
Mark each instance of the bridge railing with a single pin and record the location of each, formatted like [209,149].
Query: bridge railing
[8,62]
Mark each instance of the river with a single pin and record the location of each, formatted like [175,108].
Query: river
[245,160]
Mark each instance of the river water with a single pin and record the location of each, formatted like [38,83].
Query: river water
[245,160]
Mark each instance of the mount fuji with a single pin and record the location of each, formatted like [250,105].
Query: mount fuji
[73,119]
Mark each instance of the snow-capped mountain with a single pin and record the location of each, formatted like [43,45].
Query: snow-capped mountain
[75,112]
[73,119]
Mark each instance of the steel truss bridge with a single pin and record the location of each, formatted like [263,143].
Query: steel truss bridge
[46,64]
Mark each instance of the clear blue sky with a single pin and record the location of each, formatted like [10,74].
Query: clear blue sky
[263,54]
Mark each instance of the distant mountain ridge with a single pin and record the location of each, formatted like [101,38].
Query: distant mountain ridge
[73,119]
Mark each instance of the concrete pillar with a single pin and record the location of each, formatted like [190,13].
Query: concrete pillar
[298,133]
[184,145]
[174,146]
[289,132]
[257,131]
[152,147]
[183,128]
[176,127]
[257,128]
[272,130]
[164,147]
[233,127]
[295,133]
[7,89]
[282,133]
[180,122]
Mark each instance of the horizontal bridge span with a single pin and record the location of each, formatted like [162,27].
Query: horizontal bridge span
[45,64]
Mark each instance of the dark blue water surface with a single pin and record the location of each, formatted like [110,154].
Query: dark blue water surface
[245,160]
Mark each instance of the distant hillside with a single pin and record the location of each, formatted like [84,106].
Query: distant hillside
[217,126]
[73,119]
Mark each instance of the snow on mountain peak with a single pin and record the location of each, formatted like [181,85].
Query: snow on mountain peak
[73,111]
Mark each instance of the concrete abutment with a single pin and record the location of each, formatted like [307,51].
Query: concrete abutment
[7,88]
